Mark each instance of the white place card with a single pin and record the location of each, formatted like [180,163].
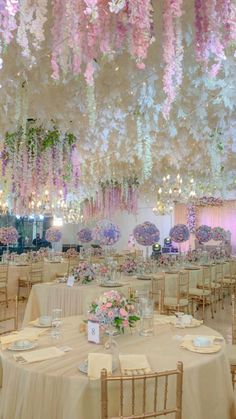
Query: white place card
[93,331]
[70,281]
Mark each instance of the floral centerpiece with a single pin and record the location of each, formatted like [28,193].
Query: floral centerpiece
[146,234]
[53,234]
[204,233]
[129,266]
[179,233]
[85,235]
[218,234]
[8,235]
[106,233]
[84,272]
[72,252]
[113,309]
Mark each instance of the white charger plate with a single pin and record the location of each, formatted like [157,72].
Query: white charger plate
[111,284]
[13,347]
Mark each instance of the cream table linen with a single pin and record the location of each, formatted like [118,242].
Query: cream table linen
[55,389]
[72,300]
[50,270]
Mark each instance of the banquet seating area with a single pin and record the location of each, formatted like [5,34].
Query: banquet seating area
[118,209]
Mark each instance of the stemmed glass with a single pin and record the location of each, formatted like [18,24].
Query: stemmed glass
[56,322]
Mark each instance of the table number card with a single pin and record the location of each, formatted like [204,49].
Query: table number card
[93,331]
[70,281]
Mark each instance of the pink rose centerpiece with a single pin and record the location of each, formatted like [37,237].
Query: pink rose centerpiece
[113,309]
[129,266]
[85,273]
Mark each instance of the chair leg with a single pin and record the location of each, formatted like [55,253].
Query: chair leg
[203,308]
[6,293]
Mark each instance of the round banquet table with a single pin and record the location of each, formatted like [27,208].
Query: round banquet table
[50,270]
[56,389]
[72,300]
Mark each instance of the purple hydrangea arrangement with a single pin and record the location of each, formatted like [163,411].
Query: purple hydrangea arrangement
[204,234]
[218,234]
[179,233]
[85,235]
[8,235]
[53,234]
[106,233]
[146,234]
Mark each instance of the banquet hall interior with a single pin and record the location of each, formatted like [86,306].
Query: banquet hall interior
[118,209]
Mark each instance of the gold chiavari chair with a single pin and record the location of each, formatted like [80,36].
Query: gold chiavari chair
[157,292]
[218,284]
[4,268]
[34,276]
[214,286]
[202,294]
[8,316]
[181,301]
[229,281]
[231,348]
[149,394]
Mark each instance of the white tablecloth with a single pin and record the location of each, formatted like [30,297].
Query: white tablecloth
[55,389]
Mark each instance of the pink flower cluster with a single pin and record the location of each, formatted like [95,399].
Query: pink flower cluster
[112,308]
[53,234]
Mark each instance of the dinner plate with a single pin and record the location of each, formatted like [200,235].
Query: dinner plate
[14,347]
[83,366]
[111,284]
[188,268]
[144,278]
[208,350]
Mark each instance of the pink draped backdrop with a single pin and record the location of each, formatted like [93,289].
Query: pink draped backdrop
[224,217]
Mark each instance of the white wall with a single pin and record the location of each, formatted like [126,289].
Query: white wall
[126,222]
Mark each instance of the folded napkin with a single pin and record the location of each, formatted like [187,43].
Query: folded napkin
[134,364]
[38,355]
[25,334]
[98,361]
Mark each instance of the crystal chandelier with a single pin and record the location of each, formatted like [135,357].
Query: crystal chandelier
[173,190]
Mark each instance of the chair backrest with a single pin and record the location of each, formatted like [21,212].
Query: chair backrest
[233,320]
[205,280]
[158,291]
[36,271]
[9,315]
[219,272]
[183,285]
[151,395]
[4,274]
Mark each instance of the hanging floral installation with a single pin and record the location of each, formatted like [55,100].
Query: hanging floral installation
[111,197]
[191,217]
[48,161]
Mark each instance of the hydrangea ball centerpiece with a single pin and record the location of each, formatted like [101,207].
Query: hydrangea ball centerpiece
[179,233]
[8,235]
[53,234]
[204,233]
[85,235]
[106,233]
[113,309]
[218,234]
[146,234]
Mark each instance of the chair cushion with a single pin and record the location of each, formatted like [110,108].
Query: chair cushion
[231,353]
[172,301]
[199,292]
